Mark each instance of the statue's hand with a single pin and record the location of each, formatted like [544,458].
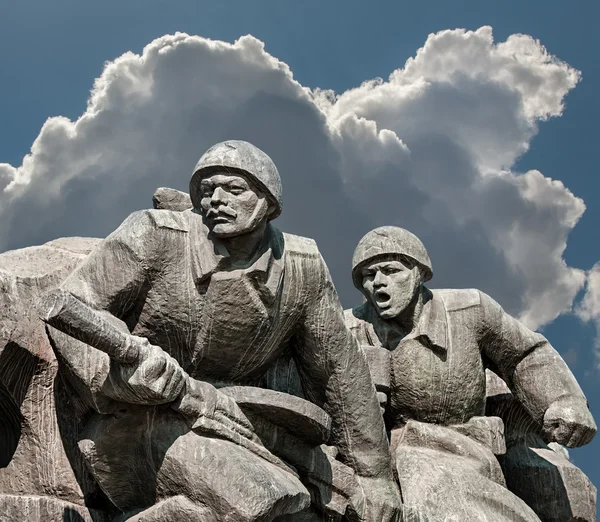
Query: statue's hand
[155,377]
[569,422]
[382,496]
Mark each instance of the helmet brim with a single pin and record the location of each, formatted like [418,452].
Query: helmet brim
[357,277]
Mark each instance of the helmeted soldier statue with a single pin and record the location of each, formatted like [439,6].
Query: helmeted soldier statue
[210,298]
[429,350]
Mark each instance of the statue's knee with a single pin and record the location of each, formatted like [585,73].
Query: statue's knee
[230,480]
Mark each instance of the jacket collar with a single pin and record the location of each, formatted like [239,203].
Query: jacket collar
[209,255]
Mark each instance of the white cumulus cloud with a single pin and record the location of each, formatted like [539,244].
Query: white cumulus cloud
[431,149]
[588,309]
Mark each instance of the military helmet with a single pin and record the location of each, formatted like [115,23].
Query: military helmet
[241,157]
[384,241]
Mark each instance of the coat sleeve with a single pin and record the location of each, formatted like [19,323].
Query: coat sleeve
[111,280]
[336,376]
[532,368]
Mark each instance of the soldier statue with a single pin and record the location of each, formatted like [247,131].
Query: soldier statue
[429,351]
[207,300]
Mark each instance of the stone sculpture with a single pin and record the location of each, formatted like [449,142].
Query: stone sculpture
[428,351]
[538,472]
[165,334]
[41,477]
[196,362]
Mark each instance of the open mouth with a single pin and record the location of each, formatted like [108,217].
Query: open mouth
[382,298]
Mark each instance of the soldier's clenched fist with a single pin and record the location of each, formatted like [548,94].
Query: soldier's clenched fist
[570,423]
[154,378]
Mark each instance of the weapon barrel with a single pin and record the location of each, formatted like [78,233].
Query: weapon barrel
[66,313]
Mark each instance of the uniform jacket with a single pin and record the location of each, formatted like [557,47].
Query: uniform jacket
[162,275]
[438,369]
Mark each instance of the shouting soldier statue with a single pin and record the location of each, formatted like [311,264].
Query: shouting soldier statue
[429,350]
[197,302]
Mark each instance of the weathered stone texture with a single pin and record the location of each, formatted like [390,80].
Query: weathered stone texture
[99,440]
[539,473]
[171,199]
[41,476]
[449,424]
[163,334]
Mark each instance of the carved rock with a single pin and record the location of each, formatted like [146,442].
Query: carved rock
[41,478]
[541,474]
[171,199]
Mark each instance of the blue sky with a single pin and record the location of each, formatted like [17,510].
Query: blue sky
[53,51]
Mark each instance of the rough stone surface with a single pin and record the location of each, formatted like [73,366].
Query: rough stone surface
[41,475]
[41,508]
[171,199]
[441,343]
[199,368]
[165,328]
[298,416]
[539,473]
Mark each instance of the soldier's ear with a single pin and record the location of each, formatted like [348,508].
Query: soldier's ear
[411,264]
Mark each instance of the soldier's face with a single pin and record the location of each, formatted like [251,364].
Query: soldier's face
[390,286]
[232,205]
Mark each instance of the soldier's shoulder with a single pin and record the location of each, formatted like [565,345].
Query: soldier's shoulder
[168,219]
[356,314]
[359,320]
[299,245]
[135,226]
[456,299]
[356,317]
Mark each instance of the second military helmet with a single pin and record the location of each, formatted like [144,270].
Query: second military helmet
[242,157]
[389,240]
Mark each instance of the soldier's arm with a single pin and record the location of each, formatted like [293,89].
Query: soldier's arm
[536,374]
[111,280]
[335,376]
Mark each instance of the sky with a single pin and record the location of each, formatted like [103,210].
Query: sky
[472,124]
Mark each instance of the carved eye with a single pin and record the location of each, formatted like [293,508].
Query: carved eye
[206,191]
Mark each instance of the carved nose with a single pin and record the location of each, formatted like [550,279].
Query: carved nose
[379,279]
[217,196]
